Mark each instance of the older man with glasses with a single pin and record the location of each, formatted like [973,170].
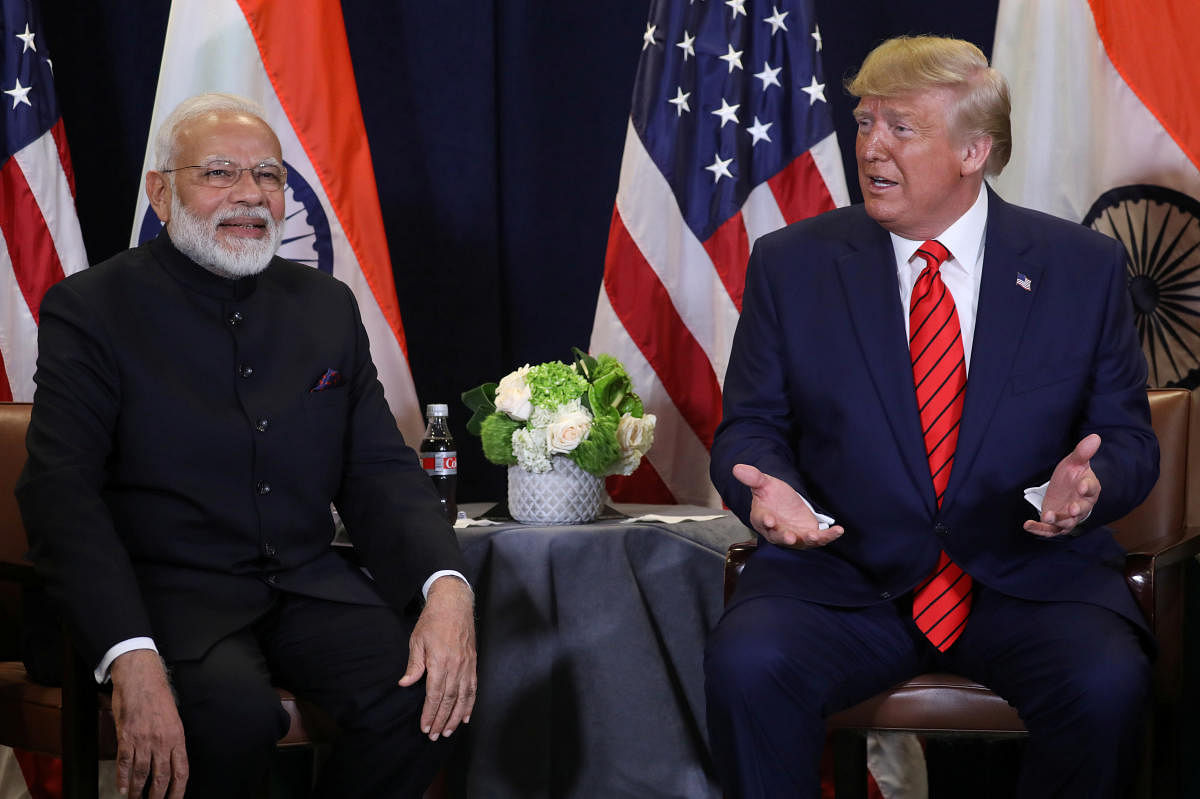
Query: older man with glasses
[200,405]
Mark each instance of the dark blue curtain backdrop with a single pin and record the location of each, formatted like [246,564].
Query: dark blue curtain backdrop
[496,131]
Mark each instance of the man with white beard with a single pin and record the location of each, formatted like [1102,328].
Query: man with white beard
[200,404]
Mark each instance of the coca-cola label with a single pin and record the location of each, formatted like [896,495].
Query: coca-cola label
[440,462]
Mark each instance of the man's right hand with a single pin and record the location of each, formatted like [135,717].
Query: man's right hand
[150,744]
[780,514]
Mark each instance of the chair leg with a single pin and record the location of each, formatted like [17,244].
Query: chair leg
[849,764]
[80,731]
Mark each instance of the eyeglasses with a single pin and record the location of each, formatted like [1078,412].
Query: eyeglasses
[223,174]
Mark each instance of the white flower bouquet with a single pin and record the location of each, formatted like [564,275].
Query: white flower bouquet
[587,412]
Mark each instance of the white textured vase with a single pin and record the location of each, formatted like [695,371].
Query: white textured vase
[564,495]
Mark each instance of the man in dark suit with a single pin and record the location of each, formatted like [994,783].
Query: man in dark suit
[934,402]
[200,404]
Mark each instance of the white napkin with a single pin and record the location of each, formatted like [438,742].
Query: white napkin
[662,517]
[465,522]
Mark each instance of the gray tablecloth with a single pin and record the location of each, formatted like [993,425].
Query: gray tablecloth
[591,640]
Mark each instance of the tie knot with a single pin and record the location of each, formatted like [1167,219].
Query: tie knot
[933,253]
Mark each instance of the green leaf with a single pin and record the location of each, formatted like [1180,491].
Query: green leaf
[482,402]
[585,364]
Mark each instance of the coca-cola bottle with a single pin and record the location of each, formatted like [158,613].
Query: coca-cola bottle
[439,457]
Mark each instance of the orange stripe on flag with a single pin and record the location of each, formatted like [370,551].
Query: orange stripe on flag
[800,191]
[35,261]
[729,249]
[1151,49]
[644,307]
[307,58]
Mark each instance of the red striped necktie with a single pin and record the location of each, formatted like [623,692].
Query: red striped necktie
[943,600]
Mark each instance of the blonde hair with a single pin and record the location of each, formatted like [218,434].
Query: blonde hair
[909,64]
[166,141]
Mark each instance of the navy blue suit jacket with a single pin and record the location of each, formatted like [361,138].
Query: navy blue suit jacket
[819,393]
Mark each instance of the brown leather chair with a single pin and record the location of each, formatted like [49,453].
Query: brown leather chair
[1161,536]
[73,722]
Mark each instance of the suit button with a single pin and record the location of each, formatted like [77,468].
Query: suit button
[263,488]
[234,319]
[245,371]
[273,579]
[269,550]
[262,424]
[941,529]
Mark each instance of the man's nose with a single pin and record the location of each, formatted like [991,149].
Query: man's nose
[872,147]
[246,189]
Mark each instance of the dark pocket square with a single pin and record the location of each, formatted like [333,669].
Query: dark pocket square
[331,379]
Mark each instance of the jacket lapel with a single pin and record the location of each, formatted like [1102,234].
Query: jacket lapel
[868,277]
[999,324]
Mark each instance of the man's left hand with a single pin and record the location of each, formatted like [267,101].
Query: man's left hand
[1072,492]
[442,647]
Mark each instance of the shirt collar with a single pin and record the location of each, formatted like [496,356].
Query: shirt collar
[196,277]
[964,240]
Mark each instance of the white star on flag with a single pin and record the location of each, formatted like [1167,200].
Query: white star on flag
[687,45]
[719,168]
[733,58]
[776,20]
[769,76]
[727,112]
[648,36]
[680,101]
[27,37]
[738,6]
[759,131]
[816,34]
[815,91]
[20,94]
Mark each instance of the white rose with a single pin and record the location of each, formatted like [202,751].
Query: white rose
[570,426]
[635,435]
[513,393]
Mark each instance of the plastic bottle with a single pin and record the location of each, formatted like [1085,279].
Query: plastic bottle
[439,457]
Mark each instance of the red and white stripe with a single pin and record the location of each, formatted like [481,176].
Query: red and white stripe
[40,243]
[294,59]
[670,304]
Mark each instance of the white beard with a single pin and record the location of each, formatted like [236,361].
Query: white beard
[196,237]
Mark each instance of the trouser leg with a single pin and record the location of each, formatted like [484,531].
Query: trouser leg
[347,659]
[1080,679]
[776,667]
[231,718]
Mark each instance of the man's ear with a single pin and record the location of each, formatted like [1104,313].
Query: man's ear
[158,190]
[975,154]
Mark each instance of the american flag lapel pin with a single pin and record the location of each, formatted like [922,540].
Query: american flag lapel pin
[1024,282]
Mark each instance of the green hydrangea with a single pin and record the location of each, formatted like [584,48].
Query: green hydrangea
[495,433]
[553,384]
[600,449]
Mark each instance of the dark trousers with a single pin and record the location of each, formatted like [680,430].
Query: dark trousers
[346,659]
[776,667]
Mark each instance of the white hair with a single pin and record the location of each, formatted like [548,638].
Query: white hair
[166,142]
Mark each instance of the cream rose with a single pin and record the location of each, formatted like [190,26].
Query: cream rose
[513,393]
[634,434]
[570,426]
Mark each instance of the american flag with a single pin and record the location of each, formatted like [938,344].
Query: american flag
[730,137]
[40,241]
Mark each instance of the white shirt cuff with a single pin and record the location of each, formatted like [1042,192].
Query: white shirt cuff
[823,521]
[442,573]
[118,649]
[1037,495]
